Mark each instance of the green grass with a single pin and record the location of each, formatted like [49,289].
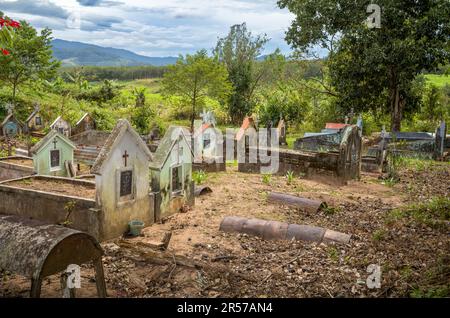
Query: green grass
[199,177]
[433,213]
[379,235]
[438,80]
[266,178]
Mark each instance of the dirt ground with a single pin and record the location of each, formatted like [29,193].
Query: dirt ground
[413,256]
[18,161]
[55,186]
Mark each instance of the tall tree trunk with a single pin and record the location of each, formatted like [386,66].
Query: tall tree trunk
[14,93]
[194,102]
[395,103]
[396,110]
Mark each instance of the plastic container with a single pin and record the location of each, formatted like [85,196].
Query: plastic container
[136,227]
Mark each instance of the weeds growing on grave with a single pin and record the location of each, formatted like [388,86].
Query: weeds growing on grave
[68,207]
[199,177]
[266,178]
[434,213]
[289,177]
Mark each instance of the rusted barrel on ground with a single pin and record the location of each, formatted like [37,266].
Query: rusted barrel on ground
[295,201]
[274,230]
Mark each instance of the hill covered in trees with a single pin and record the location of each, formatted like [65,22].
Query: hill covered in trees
[77,53]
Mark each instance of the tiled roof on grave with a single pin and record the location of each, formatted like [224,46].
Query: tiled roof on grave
[48,138]
[8,118]
[247,123]
[122,126]
[166,144]
[32,115]
[335,125]
[203,128]
[81,119]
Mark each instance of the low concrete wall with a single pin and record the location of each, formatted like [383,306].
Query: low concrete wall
[49,207]
[13,171]
[91,138]
[295,161]
[209,167]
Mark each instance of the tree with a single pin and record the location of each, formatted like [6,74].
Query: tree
[193,78]
[139,94]
[239,51]
[374,68]
[30,58]
[7,27]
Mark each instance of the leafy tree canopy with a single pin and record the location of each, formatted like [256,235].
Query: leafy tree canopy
[374,68]
[195,77]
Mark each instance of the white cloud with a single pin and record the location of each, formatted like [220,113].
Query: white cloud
[155,27]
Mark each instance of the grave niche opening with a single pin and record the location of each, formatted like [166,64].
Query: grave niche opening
[55,159]
[177,179]
[126,183]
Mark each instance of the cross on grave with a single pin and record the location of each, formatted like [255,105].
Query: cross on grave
[204,116]
[10,108]
[55,141]
[178,150]
[125,157]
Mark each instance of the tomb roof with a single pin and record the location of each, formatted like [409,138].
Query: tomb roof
[121,128]
[247,123]
[81,119]
[8,117]
[48,138]
[335,125]
[167,143]
[56,120]
[34,113]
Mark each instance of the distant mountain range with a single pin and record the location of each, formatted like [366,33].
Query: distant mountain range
[77,53]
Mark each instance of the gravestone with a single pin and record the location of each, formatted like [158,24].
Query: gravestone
[34,122]
[441,133]
[62,126]
[122,180]
[51,154]
[281,128]
[11,126]
[85,123]
[171,172]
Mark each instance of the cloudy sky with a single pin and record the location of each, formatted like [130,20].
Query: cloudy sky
[152,27]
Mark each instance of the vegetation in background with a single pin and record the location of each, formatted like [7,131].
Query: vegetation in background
[29,60]
[373,68]
[195,77]
[238,51]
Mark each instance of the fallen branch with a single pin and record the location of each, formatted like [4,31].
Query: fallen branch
[165,258]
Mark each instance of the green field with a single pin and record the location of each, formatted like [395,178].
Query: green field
[438,80]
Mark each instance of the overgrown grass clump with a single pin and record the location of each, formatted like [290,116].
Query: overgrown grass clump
[199,177]
[434,213]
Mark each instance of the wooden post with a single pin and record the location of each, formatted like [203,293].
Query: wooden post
[100,278]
